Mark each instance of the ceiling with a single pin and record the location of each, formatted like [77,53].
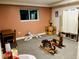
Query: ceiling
[33,1]
[45,3]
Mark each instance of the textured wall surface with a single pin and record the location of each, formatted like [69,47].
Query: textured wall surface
[10,19]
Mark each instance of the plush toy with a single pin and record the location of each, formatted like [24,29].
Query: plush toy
[59,41]
[28,36]
[60,35]
[48,46]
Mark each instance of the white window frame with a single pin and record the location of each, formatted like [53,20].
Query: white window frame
[28,20]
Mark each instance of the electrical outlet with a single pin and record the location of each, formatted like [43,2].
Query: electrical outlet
[19,32]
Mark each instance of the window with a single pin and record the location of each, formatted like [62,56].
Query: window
[33,14]
[24,14]
[29,15]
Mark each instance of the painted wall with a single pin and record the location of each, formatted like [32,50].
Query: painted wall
[57,21]
[10,19]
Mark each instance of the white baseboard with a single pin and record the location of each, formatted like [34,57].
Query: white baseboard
[41,33]
[19,38]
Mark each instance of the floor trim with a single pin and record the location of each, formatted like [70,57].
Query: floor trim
[20,38]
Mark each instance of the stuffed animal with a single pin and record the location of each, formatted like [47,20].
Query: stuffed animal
[47,45]
[29,36]
[59,41]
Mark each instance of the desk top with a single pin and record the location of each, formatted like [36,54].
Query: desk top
[8,31]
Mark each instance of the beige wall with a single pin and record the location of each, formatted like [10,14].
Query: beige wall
[60,9]
[10,19]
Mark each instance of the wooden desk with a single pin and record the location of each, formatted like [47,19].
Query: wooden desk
[7,36]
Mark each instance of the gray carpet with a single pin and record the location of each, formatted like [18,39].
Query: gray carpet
[32,47]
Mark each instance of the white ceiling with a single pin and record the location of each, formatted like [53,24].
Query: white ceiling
[65,2]
[45,3]
[39,1]
[33,1]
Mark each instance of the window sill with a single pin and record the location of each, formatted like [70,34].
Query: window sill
[29,20]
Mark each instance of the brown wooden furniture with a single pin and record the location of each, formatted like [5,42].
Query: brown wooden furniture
[8,36]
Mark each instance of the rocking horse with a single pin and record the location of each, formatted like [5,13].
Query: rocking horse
[48,46]
[59,41]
